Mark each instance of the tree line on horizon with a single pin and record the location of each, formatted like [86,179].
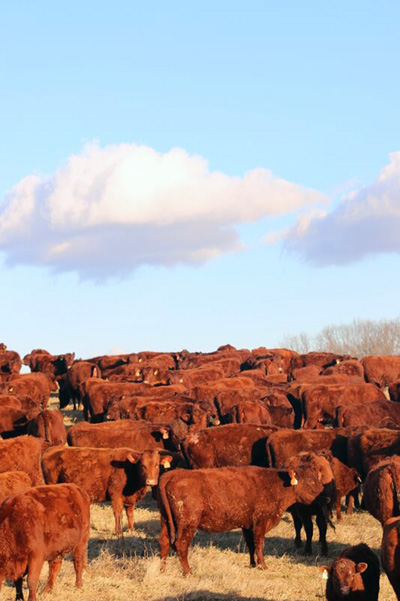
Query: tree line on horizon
[359,338]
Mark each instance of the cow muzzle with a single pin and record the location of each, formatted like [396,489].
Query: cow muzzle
[151,482]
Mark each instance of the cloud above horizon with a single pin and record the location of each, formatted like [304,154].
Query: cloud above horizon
[365,222]
[109,210]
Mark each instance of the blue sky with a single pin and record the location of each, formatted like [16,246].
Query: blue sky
[309,91]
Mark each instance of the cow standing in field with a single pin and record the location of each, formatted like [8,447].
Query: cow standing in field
[217,500]
[119,475]
[43,523]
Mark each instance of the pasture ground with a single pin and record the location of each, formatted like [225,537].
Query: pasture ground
[127,568]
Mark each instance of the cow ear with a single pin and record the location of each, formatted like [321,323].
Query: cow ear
[361,567]
[325,571]
[131,459]
[166,461]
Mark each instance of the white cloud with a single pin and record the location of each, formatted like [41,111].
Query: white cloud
[110,210]
[365,222]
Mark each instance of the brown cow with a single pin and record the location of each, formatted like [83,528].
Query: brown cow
[40,524]
[13,482]
[257,412]
[33,390]
[348,482]
[22,454]
[351,368]
[13,422]
[217,500]
[284,444]
[231,444]
[110,435]
[381,370]
[119,475]
[353,576]
[320,401]
[382,490]
[370,446]
[75,376]
[390,552]
[380,414]
[321,507]
[10,362]
[49,425]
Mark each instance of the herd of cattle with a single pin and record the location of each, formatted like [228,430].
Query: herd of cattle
[228,439]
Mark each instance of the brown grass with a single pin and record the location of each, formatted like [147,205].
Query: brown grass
[129,567]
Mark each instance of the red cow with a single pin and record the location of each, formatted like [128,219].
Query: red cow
[119,475]
[217,500]
[40,524]
[354,575]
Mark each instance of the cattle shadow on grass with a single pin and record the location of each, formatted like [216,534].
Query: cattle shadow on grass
[212,596]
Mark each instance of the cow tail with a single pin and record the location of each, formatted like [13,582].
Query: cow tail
[47,426]
[164,502]
[396,490]
[270,455]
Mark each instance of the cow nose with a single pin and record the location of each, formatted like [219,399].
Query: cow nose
[345,590]
[151,482]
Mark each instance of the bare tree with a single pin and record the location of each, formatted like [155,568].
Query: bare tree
[359,338]
[302,343]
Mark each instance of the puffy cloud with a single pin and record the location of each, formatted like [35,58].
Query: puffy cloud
[109,210]
[365,222]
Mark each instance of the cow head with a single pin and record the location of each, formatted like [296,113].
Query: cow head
[149,467]
[310,476]
[345,575]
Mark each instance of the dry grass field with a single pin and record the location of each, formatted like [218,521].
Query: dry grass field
[129,567]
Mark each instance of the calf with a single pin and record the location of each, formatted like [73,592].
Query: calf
[41,524]
[119,475]
[390,552]
[353,576]
[217,500]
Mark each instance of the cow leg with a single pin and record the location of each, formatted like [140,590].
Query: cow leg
[164,542]
[129,514]
[259,536]
[117,507]
[322,527]
[18,589]
[182,543]
[79,558]
[349,504]
[54,569]
[298,524]
[34,568]
[309,528]
[338,508]
[248,535]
